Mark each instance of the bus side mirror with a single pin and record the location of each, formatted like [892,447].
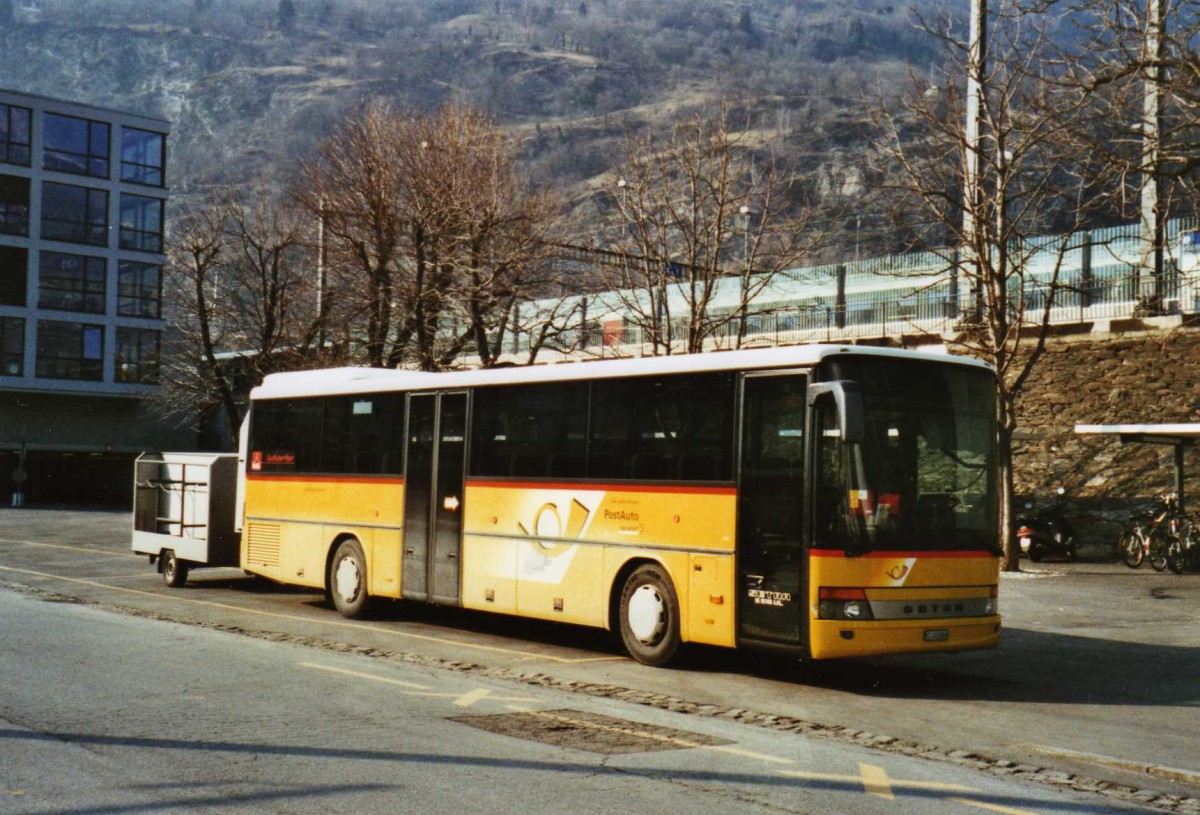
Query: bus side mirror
[848,397]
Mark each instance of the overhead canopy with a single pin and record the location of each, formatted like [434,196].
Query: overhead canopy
[1177,435]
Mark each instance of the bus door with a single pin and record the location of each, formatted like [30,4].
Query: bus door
[433,497]
[770,554]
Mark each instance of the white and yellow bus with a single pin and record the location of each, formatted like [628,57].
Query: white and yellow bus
[826,501]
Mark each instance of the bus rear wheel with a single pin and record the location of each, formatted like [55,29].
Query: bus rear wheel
[348,579]
[649,616]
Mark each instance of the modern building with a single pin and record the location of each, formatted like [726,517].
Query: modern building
[83,193]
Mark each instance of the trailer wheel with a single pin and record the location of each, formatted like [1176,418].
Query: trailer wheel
[174,571]
[348,579]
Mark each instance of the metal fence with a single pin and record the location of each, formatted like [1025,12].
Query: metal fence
[1086,276]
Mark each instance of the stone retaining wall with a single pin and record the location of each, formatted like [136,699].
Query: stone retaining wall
[1131,373]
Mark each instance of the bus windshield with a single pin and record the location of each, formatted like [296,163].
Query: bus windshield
[923,475]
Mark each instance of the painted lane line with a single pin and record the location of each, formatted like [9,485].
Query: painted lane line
[875,781]
[1003,810]
[934,786]
[471,697]
[359,675]
[68,548]
[310,620]
[736,751]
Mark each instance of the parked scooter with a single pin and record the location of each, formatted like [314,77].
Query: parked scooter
[1046,532]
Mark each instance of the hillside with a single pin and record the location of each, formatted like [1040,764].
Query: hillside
[251,85]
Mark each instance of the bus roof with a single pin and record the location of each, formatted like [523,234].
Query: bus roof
[332,381]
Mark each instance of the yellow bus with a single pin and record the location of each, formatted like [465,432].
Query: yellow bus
[825,501]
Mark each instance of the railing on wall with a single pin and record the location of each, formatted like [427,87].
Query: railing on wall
[1087,276]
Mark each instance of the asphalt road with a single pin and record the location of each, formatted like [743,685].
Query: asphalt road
[1094,685]
[109,713]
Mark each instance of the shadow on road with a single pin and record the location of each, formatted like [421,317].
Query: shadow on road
[1029,666]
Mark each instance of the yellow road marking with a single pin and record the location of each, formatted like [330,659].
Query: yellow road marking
[910,785]
[358,675]
[747,754]
[296,618]
[1003,810]
[468,699]
[875,781]
[71,548]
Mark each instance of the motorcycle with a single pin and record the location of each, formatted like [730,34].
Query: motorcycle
[1046,532]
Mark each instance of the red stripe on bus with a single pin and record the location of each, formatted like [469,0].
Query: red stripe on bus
[554,485]
[326,479]
[940,553]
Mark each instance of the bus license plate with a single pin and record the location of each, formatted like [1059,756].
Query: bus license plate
[937,634]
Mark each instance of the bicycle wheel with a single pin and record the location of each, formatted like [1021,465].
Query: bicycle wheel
[1130,549]
[1158,553]
[1177,556]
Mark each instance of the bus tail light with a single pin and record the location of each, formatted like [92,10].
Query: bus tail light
[843,604]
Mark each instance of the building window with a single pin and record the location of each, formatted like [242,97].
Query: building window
[139,290]
[71,282]
[141,223]
[14,135]
[14,205]
[74,214]
[13,276]
[143,155]
[76,146]
[137,355]
[12,346]
[70,351]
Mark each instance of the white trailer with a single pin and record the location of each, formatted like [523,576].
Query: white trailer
[184,511]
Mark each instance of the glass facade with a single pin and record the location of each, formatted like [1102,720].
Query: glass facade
[82,228]
[137,355]
[139,290]
[12,346]
[70,350]
[71,282]
[13,275]
[143,155]
[77,146]
[14,205]
[141,223]
[74,214]
[15,132]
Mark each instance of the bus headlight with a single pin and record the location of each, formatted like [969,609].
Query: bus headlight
[843,604]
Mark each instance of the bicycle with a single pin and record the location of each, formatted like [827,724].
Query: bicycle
[1150,534]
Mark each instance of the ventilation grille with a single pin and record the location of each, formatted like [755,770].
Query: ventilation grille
[262,544]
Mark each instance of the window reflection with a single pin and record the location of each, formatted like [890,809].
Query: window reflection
[142,156]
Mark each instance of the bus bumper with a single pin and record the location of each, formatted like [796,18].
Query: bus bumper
[831,639]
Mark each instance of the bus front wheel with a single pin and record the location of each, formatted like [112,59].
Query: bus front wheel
[649,616]
[348,579]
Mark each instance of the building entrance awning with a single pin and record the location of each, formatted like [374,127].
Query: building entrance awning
[1178,436]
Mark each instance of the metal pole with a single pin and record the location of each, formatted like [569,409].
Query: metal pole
[976,65]
[321,276]
[1151,209]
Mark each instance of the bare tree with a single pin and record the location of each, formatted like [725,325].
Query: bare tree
[702,223]
[435,233]
[239,299]
[1029,180]
[1140,68]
